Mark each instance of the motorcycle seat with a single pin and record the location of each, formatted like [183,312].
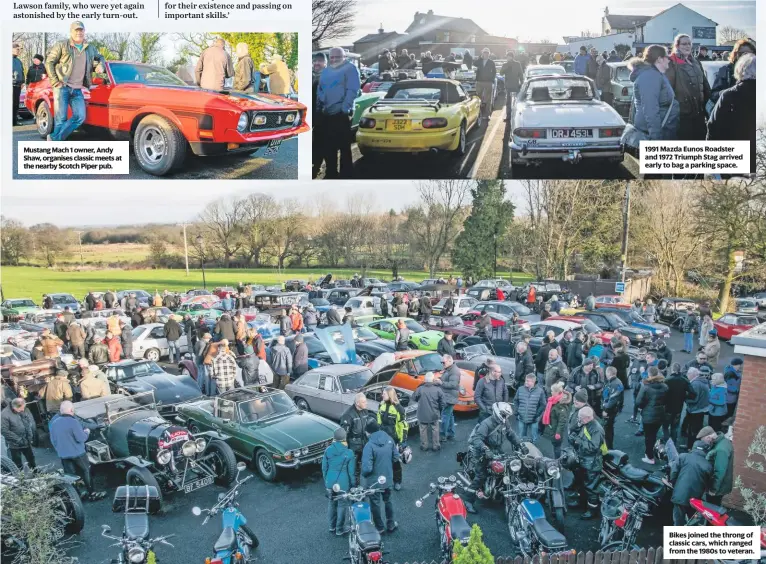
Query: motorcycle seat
[227,540]
[717,508]
[548,535]
[368,535]
[136,525]
[633,474]
[459,527]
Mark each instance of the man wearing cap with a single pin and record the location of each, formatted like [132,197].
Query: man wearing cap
[17,82]
[587,443]
[721,456]
[690,479]
[696,406]
[338,467]
[19,432]
[69,65]
[91,386]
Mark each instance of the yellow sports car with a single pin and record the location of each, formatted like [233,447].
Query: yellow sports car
[417,116]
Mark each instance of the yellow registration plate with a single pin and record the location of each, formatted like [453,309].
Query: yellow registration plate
[398,125]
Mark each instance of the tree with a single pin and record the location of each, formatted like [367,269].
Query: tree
[287,228]
[158,249]
[50,241]
[147,47]
[729,33]
[755,501]
[331,19]
[476,552]
[622,49]
[15,241]
[475,250]
[259,211]
[222,220]
[435,221]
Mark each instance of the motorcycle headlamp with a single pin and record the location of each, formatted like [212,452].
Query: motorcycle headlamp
[515,465]
[136,554]
[506,480]
[242,123]
[200,444]
[189,449]
[164,457]
[497,467]
[553,471]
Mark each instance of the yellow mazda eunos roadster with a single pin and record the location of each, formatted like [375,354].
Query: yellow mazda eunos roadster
[428,114]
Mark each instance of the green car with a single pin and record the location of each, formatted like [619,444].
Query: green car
[195,310]
[620,91]
[361,103]
[264,427]
[16,308]
[421,338]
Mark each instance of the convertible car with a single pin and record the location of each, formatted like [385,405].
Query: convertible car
[417,116]
[263,426]
[733,324]
[15,309]
[635,320]
[561,117]
[164,117]
[420,337]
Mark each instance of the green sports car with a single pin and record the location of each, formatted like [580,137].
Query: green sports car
[420,338]
[263,427]
[17,307]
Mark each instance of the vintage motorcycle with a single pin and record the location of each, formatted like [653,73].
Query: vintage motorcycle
[618,471]
[237,541]
[531,466]
[364,543]
[527,525]
[714,515]
[622,513]
[496,462]
[450,514]
[137,503]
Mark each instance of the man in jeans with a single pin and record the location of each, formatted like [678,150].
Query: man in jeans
[69,65]
[486,74]
[529,404]
[450,386]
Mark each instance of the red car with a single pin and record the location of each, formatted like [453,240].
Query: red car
[498,319]
[611,301]
[223,291]
[590,328]
[164,117]
[733,324]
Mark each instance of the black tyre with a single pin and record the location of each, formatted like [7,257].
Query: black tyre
[558,516]
[7,466]
[153,355]
[140,476]
[72,504]
[44,120]
[158,145]
[462,143]
[265,465]
[302,404]
[224,461]
[250,535]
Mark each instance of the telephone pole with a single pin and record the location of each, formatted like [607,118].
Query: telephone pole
[79,239]
[625,227]
[186,248]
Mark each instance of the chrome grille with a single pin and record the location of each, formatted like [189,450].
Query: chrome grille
[273,120]
[317,448]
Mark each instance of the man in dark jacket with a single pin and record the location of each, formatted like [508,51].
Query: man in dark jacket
[354,422]
[173,333]
[611,403]
[486,75]
[19,432]
[514,76]
[591,65]
[126,337]
[541,359]
[721,456]
[636,375]
[17,82]
[690,478]
[99,352]
[226,329]
[664,352]
[378,458]
[528,405]
[136,318]
[334,317]
[651,400]
[191,332]
[300,357]
[574,356]
[587,443]
[450,381]
[679,390]
[490,390]
[430,398]
[587,378]
[621,362]
[36,72]
[338,467]
[524,364]
[446,345]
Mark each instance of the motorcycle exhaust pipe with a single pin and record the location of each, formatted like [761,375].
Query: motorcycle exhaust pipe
[462,477]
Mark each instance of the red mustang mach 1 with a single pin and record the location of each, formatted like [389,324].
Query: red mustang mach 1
[164,117]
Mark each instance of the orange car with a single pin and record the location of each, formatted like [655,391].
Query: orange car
[411,367]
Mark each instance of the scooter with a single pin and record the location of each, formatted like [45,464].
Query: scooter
[364,543]
[450,515]
[527,525]
[237,542]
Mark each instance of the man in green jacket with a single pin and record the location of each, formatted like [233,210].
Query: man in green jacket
[69,65]
[721,456]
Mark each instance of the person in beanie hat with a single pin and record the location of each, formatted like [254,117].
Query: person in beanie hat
[690,477]
[338,467]
[579,400]
[378,458]
[721,456]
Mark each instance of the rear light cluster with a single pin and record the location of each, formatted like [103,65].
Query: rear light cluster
[374,556]
[433,123]
[610,132]
[366,123]
[530,133]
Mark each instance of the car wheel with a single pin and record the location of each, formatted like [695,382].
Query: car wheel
[461,145]
[224,461]
[44,120]
[193,428]
[140,476]
[153,355]
[265,465]
[7,466]
[158,145]
[72,504]
[302,404]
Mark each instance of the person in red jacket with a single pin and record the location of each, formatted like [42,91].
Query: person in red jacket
[114,346]
[500,295]
[531,296]
[297,320]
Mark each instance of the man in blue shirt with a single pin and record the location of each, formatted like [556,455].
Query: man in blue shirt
[581,62]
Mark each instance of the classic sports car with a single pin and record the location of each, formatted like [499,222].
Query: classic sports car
[586,325]
[420,337]
[60,301]
[263,426]
[374,88]
[143,297]
[620,87]
[164,117]
[410,369]
[463,304]
[607,321]
[561,117]
[417,116]
[15,309]
[196,309]
[129,431]
[149,342]
[611,301]
[330,390]
[129,377]
[733,324]
[471,357]
[635,320]
[673,309]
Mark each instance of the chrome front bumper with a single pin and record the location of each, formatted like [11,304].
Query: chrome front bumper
[316,459]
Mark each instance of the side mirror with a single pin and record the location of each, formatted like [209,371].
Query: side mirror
[418,503]
[106,529]
[241,466]
[336,488]
[196,511]
[381,480]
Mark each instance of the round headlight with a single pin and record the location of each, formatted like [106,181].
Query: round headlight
[297,452]
[163,457]
[200,444]
[242,123]
[462,391]
[515,465]
[189,449]
[304,451]
[553,471]
[136,554]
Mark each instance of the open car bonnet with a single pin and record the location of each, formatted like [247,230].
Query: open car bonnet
[341,352]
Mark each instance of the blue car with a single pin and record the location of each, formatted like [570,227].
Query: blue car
[658,330]
[60,301]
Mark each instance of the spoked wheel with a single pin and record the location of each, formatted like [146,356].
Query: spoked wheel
[224,462]
[265,465]
[72,506]
[353,549]
[618,546]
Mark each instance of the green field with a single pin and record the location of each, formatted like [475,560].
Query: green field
[31,282]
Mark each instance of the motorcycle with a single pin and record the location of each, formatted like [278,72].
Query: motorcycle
[450,514]
[137,503]
[237,541]
[364,543]
[531,466]
[618,471]
[622,514]
[493,483]
[527,525]
[714,515]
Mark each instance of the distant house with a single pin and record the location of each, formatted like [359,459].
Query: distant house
[617,23]
[663,27]
[372,44]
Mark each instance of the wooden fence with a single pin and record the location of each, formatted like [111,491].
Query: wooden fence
[643,556]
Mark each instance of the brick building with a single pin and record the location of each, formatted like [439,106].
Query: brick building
[751,345]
